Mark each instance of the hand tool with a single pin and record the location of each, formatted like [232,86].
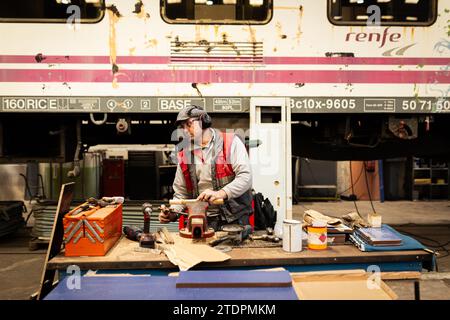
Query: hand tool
[265,237]
[147,240]
[105,201]
[95,202]
[133,233]
[113,200]
[166,236]
[172,214]
[82,208]
[236,234]
[197,225]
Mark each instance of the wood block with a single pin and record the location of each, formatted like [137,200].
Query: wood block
[233,279]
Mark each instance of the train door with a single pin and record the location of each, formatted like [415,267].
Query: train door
[270,124]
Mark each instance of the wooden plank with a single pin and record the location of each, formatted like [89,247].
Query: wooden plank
[388,291]
[338,275]
[176,274]
[335,275]
[401,275]
[56,238]
[233,279]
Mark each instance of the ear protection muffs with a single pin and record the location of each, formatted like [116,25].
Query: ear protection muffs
[196,111]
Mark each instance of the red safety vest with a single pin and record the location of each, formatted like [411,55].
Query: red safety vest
[224,173]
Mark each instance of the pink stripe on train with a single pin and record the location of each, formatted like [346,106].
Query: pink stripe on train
[225,76]
[230,59]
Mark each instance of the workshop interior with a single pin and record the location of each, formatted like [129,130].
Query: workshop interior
[225,150]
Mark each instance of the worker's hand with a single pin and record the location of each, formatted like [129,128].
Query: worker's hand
[166,216]
[210,195]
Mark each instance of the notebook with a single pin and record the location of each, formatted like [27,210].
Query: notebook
[379,236]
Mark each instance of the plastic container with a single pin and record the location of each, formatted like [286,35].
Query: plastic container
[292,235]
[317,236]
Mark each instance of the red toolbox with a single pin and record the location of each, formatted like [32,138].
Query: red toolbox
[92,232]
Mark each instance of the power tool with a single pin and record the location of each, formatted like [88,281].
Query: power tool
[147,240]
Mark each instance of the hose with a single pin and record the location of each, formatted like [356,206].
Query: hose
[98,122]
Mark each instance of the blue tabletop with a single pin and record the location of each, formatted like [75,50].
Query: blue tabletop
[158,288]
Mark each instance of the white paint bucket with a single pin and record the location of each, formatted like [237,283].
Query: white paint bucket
[292,235]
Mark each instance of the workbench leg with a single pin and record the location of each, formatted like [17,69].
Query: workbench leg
[417,290]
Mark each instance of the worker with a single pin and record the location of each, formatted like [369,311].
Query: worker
[211,165]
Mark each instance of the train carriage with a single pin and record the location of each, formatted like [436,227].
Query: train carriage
[364,79]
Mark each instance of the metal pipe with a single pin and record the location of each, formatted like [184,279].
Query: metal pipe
[75,172]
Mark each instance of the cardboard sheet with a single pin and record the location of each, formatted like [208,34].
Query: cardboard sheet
[186,253]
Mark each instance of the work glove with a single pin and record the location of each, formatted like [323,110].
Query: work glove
[353,219]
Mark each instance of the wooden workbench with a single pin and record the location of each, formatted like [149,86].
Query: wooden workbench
[123,256]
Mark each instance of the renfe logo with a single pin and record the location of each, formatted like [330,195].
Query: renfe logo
[374,37]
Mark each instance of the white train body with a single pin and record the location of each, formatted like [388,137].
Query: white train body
[355,91]
[134,62]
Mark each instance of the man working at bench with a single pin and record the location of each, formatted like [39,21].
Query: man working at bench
[213,165]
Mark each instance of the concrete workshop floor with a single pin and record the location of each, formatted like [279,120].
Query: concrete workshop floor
[429,222]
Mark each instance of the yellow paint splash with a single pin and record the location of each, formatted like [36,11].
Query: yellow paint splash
[151,43]
[198,33]
[112,36]
[279,29]
[216,31]
[113,19]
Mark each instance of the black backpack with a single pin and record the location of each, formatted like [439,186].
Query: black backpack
[265,215]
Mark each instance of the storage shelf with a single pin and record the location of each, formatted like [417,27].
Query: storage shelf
[431,190]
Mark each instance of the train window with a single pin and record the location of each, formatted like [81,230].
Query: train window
[390,13]
[90,11]
[217,11]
